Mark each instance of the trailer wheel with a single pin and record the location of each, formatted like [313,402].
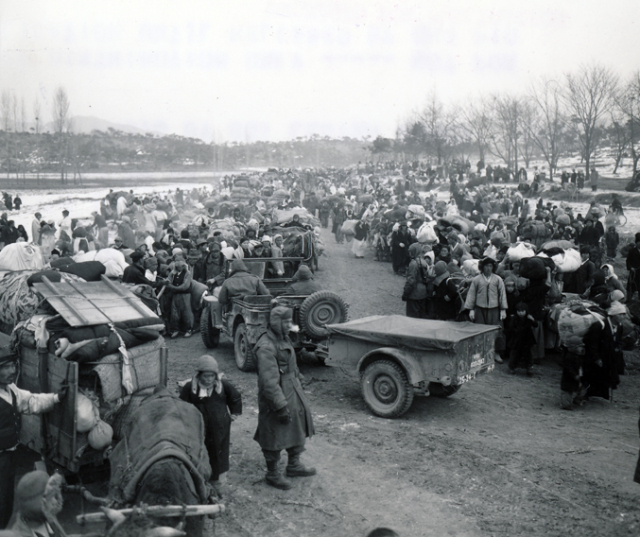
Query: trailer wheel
[245,359]
[319,309]
[386,389]
[209,334]
[440,390]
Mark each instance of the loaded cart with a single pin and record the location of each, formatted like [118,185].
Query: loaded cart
[101,340]
[399,357]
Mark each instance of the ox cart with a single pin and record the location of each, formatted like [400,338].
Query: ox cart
[95,319]
[399,357]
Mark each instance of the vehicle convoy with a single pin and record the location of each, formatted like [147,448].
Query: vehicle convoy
[399,357]
[248,317]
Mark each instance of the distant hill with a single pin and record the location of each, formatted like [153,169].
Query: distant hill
[86,124]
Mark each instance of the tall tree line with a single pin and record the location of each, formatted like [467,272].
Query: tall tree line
[578,114]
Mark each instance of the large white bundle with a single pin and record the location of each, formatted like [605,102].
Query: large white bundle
[568,261]
[83,257]
[520,251]
[470,267]
[416,210]
[349,227]
[113,270]
[111,254]
[426,233]
[573,325]
[21,256]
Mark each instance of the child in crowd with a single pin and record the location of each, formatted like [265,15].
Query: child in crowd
[520,338]
[611,240]
[219,402]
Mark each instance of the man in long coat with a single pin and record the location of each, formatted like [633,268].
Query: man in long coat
[284,418]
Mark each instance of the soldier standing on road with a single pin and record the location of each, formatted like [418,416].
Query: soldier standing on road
[284,419]
[13,403]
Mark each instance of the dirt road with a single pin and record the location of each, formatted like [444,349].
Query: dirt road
[497,458]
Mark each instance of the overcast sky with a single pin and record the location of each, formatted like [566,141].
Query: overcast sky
[257,70]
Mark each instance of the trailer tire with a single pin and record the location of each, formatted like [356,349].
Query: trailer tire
[319,309]
[245,359]
[386,389]
[209,334]
[440,390]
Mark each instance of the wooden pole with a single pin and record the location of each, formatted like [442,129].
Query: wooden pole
[157,511]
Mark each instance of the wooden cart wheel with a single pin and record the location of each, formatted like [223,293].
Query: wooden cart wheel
[386,389]
[440,390]
[245,359]
[209,334]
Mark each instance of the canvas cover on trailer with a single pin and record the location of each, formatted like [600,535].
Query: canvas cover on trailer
[418,334]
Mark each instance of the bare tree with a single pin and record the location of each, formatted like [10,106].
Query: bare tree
[629,102]
[61,127]
[438,125]
[506,131]
[5,110]
[477,121]
[549,120]
[23,116]
[37,115]
[590,93]
[5,118]
[526,116]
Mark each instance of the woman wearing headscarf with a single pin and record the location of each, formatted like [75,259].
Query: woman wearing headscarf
[219,402]
[446,300]
[359,245]
[284,415]
[401,239]
[415,289]
[611,280]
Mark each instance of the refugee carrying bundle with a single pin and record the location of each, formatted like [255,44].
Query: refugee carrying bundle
[534,268]
[568,261]
[519,251]
[349,227]
[574,322]
[426,233]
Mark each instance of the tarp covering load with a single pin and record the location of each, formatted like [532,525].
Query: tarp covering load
[162,427]
[21,256]
[19,301]
[401,331]
[297,242]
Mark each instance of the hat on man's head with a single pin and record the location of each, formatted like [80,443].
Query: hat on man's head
[136,256]
[7,355]
[207,363]
[440,268]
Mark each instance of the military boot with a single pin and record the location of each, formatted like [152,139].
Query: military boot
[275,478]
[296,469]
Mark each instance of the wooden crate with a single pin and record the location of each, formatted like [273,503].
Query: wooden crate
[54,434]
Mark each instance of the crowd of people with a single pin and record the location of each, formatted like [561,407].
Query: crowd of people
[485,254]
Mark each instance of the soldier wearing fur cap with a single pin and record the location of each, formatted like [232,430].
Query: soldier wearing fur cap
[284,419]
[13,403]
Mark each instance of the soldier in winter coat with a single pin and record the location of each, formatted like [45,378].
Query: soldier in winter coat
[284,418]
